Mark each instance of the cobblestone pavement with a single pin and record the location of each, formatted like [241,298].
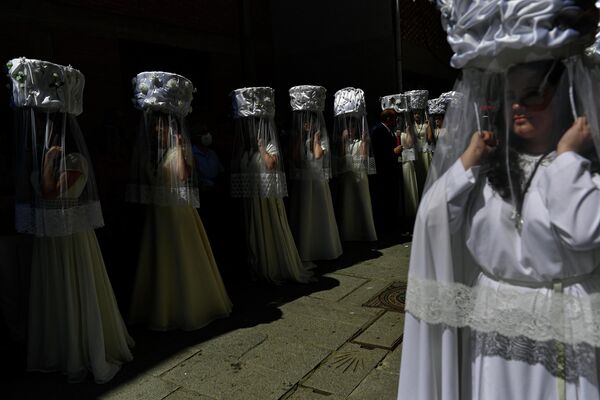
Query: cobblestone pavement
[329,340]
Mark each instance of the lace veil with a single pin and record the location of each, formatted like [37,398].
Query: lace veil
[351,148]
[162,168]
[257,162]
[56,191]
[309,148]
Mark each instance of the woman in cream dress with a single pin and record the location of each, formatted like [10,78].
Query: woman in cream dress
[312,217]
[354,161]
[258,179]
[356,215]
[411,188]
[75,326]
[178,284]
[272,250]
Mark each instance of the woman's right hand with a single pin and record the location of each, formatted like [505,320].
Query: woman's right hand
[52,153]
[482,145]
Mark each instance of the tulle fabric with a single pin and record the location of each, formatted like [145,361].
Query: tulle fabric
[162,134]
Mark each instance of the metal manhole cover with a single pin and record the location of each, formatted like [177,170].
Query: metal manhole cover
[391,298]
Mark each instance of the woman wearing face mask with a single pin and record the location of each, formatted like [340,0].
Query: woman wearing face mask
[503,285]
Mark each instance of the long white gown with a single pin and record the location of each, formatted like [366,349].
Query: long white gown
[177,283]
[409,177]
[355,215]
[516,274]
[271,247]
[312,217]
[75,326]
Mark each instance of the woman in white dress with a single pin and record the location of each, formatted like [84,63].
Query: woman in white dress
[409,176]
[312,217]
[257,178]
[177,284]
[421,132]
[354,161]
[504,286]
[75,326]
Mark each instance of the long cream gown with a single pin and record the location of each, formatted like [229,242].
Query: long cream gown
[178,284]
[75,326]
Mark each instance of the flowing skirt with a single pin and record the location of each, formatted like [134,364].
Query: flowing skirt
[178,284]
[411,189]
[422,163]
[271,248]
[355,220]
[312,220]
[75,326]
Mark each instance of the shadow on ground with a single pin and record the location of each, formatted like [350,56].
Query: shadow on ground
[254,303]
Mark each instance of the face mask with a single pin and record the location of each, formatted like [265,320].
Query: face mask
[206,140]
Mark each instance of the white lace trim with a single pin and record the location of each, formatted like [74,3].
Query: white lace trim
[264,184]
[58,218]
[358,164]
[408,155]
[536,314]
[163,196]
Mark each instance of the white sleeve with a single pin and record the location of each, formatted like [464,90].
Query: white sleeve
[459,183]
[572,196]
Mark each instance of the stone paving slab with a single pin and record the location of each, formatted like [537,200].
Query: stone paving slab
[365,292]
[144,387]
[233,344]
[304,393]
[292,359]
[323,309]
[386,332]
[343,371]
[347,285]
[171,361]
[376,386]
[374,270]
[391,363]
[224,380]
[181,394]
[315,331]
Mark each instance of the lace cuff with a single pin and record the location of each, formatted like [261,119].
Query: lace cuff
[265,184]
[511,311]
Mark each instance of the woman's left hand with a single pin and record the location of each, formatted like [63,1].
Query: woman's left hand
[577,138]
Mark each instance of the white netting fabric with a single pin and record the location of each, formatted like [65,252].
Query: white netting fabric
[257,162]
[507,310]
[57,218]
[309,151]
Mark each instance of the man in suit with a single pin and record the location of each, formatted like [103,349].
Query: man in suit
[385,188]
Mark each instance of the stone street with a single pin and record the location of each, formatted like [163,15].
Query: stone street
[337,338]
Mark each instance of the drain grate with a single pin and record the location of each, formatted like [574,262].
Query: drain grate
[391,298]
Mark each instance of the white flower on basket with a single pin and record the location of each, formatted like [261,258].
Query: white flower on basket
[172,83]
[143,88]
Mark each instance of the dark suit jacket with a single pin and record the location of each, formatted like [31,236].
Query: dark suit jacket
[383,143]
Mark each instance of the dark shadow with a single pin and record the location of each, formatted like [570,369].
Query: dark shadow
[254,303]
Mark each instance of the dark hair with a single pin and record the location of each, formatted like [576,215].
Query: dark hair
[388,114]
